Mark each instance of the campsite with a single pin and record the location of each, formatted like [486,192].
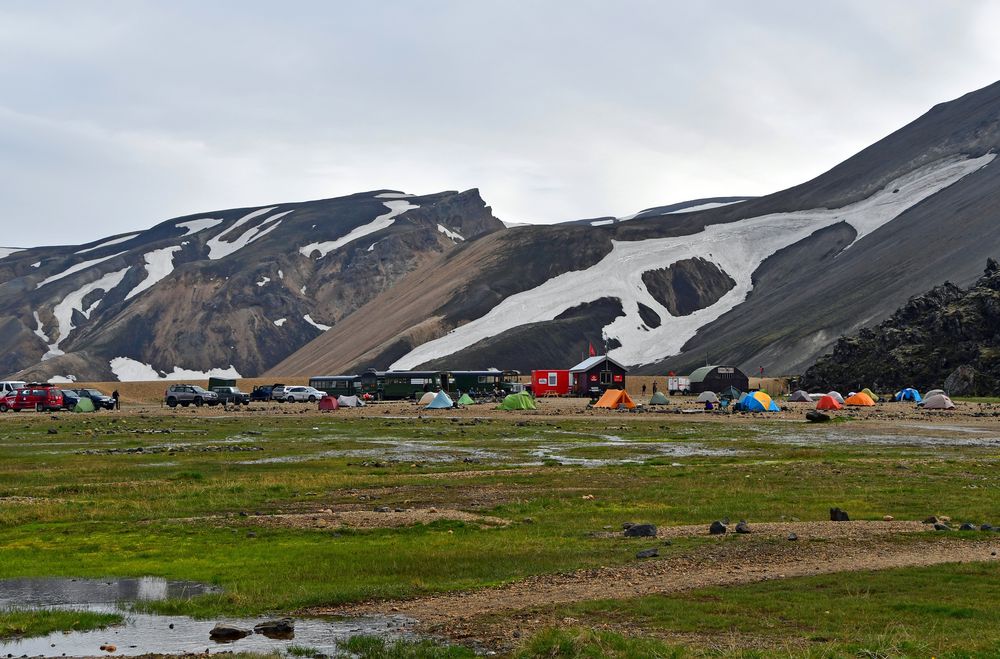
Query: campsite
[505,527]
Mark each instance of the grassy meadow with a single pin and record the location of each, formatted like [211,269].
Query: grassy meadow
[187,496]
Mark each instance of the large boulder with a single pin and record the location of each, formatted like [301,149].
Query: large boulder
[962,381]
[641,531]
[223,632]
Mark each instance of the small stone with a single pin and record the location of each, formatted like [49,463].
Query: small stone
[53,431]
[742,526]
[383,509]
[792,537]
[251,534]
[627,525]
[987,527]
[941,527]
[887,518]
[648,553]
[528,520]
[931,520]
[968,526]
[641,531]
[838,515]
[717,528]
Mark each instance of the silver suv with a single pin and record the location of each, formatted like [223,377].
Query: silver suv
[185,394]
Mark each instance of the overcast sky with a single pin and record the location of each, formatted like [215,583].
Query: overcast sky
[117,115]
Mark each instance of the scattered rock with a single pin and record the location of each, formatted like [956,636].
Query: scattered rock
[817,417]
[742,526]
[528,520]
[228,633]
[940,526]
[108,647]
[648,553]
[792,537]
[968,526]
[383,509]
[627,525]
[251,534]
[641,531]
[887,518]
[717,528]
[53,431]
[987,527]
[280,628]
[838,515]
[931,520]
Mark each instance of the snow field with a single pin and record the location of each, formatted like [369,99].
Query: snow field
[108,243]
[63,311]
[159,265]
[737,248]
[320,326]
[384,221]
[454,235]
[127,369]
[192,227]
[77,268]
[219,247]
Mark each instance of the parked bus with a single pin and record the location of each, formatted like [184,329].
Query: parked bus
[483,382]
[336,385]
[401,385]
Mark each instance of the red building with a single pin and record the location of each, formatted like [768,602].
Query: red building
[593,376]
[550,383]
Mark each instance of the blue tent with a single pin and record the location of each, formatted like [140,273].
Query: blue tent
[441,401]
[758,401]
[908,394]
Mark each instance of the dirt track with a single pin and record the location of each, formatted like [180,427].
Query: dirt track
[823,548]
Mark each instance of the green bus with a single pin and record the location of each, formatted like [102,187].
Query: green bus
[401,385]
[483,382]
[336,385]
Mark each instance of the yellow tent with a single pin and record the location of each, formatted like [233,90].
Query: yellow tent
[612,398]
[860,399]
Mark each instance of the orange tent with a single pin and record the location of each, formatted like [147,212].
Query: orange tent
[612,398]
[860,399]
[828,403]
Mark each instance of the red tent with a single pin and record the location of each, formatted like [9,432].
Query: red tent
[828,403]
[328,403]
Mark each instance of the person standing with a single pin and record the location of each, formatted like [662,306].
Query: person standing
[654,387]
[644,390]
[117,398]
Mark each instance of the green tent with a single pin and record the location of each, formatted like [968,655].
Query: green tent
[871,394]
[84,405]
[521,401]
[658,399]
[466,400]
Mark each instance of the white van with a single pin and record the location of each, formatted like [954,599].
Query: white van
[8,387]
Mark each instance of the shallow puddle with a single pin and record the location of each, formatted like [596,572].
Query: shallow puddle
[144,633]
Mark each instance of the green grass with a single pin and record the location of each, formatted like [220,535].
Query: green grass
[947,610]
[20,623]
[373,647]
[84,502]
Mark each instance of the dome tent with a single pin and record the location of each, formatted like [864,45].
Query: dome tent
[658,399]
[800,397]
[427,398]
[465,399]
[938,402]
[441,401]
[328,403]
[871,394]
[836,396]
[908,394]
[828,403]
[615,398]
[935,392]
[707,397]
[860,399]
[521,401]
[758,401]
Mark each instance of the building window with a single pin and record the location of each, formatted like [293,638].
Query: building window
[553,379]
[605,377]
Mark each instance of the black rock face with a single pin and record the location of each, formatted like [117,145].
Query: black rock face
[947,337]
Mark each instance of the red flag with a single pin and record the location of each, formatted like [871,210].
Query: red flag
[593,353]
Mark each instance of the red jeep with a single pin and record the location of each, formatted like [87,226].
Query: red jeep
[39,397]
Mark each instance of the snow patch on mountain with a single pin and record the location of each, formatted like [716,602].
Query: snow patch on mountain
[393,195]
[159,265]
[63,311]
[77,268]
[108,243]
[396,208]
[263,281]
[703,207]
[192,227]
[36,264]
[320,326]
[7,251]
[454,235]
[62,379]
[737,248]
[127,369]
[39,330]
[219,247]
[280,322]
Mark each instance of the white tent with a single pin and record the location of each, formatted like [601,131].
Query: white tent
[350,401]
[707,397]
[427,398]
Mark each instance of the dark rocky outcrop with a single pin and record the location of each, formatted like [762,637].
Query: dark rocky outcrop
[946,337]
[688,285]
